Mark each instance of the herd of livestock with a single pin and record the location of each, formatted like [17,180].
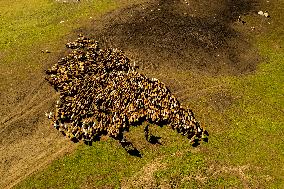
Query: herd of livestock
[102,93]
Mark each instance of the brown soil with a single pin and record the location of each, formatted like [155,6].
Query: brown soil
[199,36]
[27,141]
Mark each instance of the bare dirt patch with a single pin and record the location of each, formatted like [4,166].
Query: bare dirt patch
[27,142]
[198,36]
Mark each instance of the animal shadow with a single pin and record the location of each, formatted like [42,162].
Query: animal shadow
[154,140]
[204,138]
[130,149]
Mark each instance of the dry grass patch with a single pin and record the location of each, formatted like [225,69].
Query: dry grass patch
[145,177]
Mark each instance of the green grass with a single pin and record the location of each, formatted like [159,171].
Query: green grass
[247,137]
[72,171]
[27,27]
[34,22]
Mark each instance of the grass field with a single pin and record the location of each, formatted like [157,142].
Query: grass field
[242,110]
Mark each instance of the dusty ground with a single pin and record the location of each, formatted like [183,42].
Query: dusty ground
[164,35]
[27,140]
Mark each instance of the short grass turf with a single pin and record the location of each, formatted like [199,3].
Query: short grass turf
[27,27]
[245,148]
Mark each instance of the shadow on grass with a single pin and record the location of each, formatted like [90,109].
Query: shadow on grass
[204,138]
[130,149]
[154,140]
